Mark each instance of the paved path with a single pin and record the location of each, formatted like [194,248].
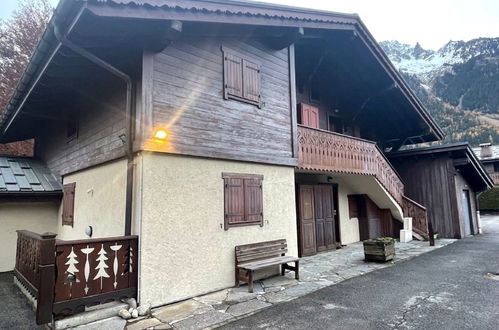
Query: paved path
[443,289]
[15,312]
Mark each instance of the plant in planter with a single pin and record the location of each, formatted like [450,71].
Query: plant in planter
[379,249]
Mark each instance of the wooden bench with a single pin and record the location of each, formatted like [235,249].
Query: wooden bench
[251,257]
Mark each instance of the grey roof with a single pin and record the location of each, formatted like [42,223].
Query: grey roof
[495,153]
[22,175]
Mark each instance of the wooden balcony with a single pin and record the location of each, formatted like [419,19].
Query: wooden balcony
[321,150]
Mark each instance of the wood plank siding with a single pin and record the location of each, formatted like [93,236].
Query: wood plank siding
[430,182]
[188,101]
[101,122]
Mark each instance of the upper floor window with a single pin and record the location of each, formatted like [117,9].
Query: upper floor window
[72,126]
[242,78]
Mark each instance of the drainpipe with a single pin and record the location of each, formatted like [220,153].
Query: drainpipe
[63,39]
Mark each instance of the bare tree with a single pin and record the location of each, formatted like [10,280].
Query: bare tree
[19,36]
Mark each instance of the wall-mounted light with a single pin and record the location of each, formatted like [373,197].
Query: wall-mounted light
[89,231]
[160,134]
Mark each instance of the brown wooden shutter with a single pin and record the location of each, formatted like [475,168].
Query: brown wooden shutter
[253,201]
[251,81]
[68,202]
[234,201]
[233,75]
[309,115]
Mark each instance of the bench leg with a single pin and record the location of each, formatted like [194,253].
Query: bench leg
[283,269]
[237,277]
[297,272]
[250,281]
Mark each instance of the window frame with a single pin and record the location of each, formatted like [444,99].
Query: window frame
[226,177]
[244,59]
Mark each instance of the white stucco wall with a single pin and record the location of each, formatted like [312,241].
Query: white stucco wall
[185,250]
[38,217]
[99,201]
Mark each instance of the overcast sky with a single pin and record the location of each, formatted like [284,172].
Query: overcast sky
[430,22]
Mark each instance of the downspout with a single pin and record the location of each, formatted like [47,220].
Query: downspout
[63,39]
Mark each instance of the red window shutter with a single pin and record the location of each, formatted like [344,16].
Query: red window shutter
[313,120]
[251,81]
[233,75]
[309,115]
[234,201]
[253,201]
[68,202]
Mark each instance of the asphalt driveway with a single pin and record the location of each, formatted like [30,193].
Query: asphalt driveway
[15,312]
[444,289]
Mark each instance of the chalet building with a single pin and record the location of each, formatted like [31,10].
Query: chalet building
[180,129]
[489,157]
[446,180]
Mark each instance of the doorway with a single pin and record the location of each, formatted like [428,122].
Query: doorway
[468,223]
[317,218]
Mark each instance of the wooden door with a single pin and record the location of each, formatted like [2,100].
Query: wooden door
[306,220]
[324,217]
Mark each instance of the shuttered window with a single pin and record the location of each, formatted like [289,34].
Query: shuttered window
[243,200]
[242,78]
[68,202]
[309,115]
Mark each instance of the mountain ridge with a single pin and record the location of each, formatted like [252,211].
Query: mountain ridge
[458,84]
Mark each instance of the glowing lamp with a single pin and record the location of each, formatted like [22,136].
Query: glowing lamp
[161,134]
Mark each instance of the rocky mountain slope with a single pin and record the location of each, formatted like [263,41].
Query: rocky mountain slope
[459,84]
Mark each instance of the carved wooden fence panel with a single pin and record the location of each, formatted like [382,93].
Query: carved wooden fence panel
[65,276]
[418,214]
[329,151]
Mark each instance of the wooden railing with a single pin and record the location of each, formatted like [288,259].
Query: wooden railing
[418,214]
[327,151]
[66,276]
[35,270]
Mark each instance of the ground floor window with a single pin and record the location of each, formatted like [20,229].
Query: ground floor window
[243,199]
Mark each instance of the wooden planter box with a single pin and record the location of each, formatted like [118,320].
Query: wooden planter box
[379,249]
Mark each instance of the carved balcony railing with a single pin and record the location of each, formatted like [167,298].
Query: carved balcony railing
[418,214]
[65,276]
[327,151]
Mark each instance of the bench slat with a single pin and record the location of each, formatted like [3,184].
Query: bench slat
[261,255]
[275,247]
[252,245]
[267,262]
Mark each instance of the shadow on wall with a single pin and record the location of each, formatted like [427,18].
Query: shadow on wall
[489,200]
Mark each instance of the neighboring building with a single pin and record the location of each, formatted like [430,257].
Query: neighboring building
[489,157]
[446,179]
[29,199]
[202,125]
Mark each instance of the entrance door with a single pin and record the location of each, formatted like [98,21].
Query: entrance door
[324,217]
[306,220]
[468,229]
[316,219]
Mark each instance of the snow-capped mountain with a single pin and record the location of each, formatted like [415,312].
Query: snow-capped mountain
[458,84]
[426,64]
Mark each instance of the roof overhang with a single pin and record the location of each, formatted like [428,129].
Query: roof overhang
[215,11]
[464,158]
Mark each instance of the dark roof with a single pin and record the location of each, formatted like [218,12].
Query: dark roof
[20,175]
[473,169]
[208,10]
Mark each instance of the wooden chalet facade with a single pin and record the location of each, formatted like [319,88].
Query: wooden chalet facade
[447,180]
[179,124]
